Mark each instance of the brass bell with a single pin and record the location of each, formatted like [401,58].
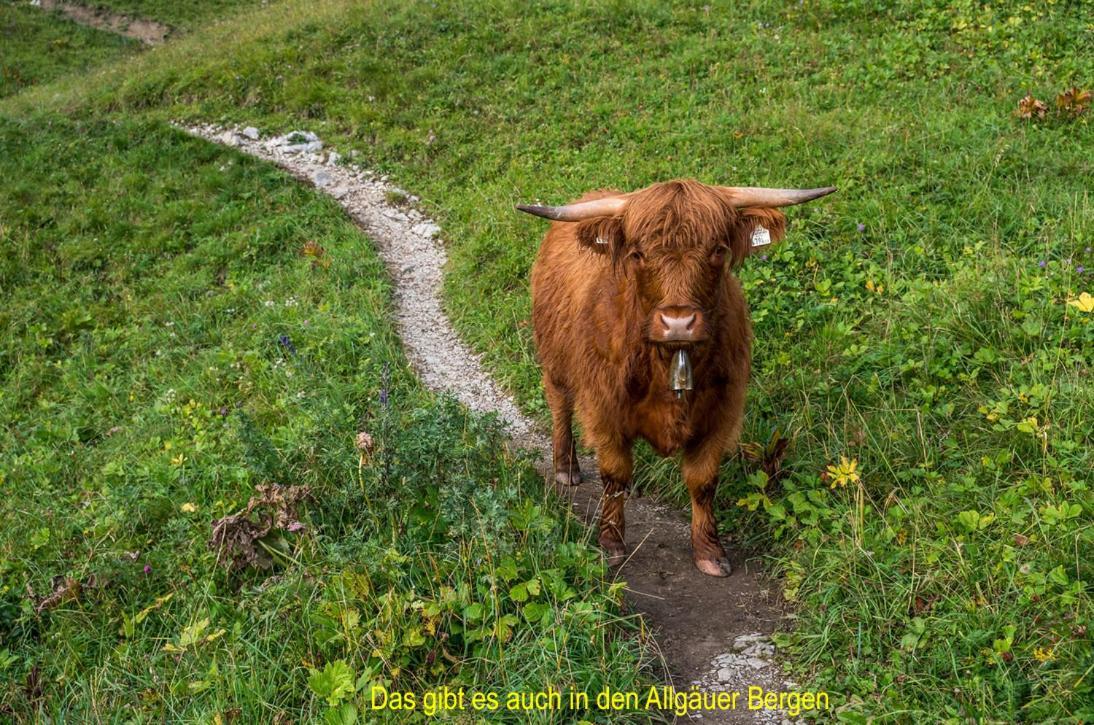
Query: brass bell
[680,378]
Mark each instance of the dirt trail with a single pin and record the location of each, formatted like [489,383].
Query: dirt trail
[712,632]
[148,32]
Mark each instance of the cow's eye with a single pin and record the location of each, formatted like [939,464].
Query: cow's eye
[719,254]
[636,256]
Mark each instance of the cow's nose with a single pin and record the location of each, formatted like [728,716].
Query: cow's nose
[678,324]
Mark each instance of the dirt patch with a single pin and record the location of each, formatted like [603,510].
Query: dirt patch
[712,632]
[148,32]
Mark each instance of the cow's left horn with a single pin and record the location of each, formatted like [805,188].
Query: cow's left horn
[609,206]
[759,196]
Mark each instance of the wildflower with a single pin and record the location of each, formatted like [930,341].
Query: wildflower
[147,568]
[1084,302]
[843,473]
[1042,264]
[1080,269]
[763,257]
[861,227]
[1042,654]
[286,343]
[188,508]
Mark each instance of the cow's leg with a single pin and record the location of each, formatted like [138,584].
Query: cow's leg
[700,469]
[616,472]
[566,467]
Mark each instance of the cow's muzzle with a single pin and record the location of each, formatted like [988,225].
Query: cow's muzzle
[678,325]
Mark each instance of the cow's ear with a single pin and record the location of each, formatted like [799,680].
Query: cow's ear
[754,231]
[603,235]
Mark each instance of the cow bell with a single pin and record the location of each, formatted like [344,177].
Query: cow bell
[680,378]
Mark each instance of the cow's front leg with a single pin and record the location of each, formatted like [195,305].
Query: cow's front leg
[616,472]
[700,469]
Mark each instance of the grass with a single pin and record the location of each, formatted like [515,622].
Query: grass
[917,323]
[167,347]
[38,47]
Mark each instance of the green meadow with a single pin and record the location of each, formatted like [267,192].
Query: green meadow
[181,325]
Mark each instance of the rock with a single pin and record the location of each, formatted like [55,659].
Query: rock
[756,663]
[252,133]
[322,179]
[229,139]
[427,229]
[747,640]
[725,675]
[299,148]
[333,158]
[298,142]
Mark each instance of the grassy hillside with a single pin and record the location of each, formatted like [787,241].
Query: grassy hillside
[925,324]
[36,47]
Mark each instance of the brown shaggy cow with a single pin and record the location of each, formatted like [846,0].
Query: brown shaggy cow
[622,282]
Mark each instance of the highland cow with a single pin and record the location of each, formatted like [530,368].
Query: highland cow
[643,331]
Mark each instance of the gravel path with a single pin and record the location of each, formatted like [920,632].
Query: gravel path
[147,31]
[712,632]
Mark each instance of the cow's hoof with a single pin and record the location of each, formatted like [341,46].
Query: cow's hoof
[714,567]
[568,478]
[615,552]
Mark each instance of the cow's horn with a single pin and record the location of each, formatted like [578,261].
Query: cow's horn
[609,206]
[758,196]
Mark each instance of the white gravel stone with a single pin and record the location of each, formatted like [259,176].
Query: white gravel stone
[251,132]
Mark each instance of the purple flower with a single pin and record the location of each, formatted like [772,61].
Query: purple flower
[1080,269]
[861,227]
[763,257]
[286,343]
[147,568]
[294,526]
[1042,264]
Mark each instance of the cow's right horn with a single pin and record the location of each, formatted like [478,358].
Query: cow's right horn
[609,206]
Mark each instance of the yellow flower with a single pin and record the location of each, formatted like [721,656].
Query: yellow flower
[188,508]
[1084,302]
[844,473]
[1042,655]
